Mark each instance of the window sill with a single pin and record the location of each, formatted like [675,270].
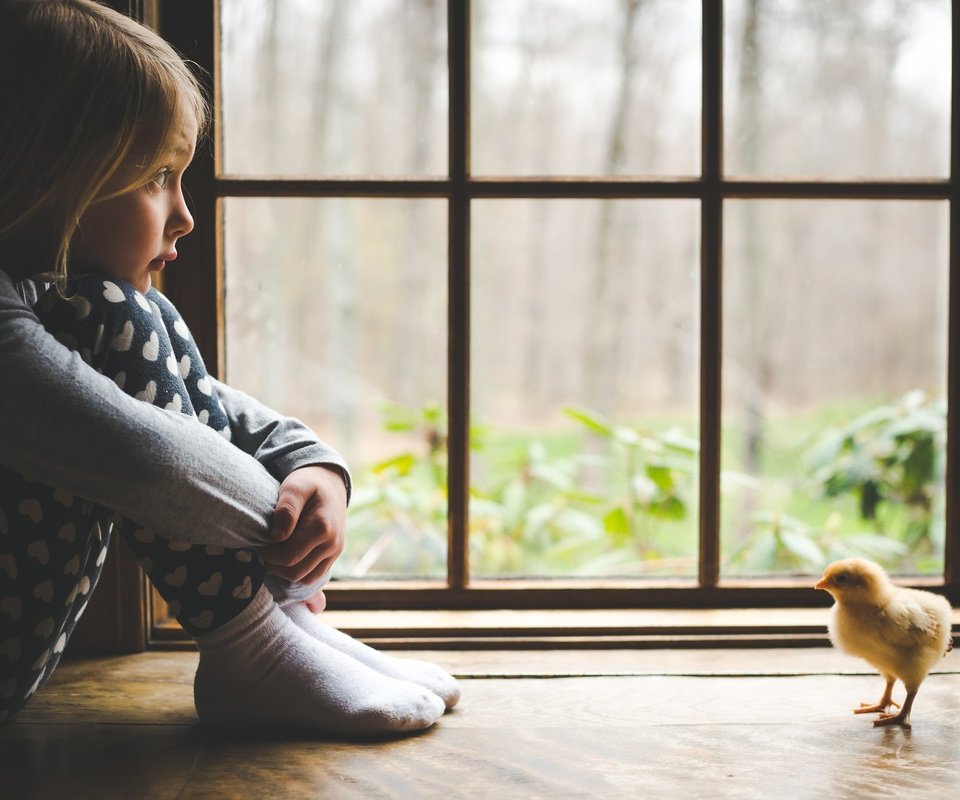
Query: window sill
[600,629]
[575,629]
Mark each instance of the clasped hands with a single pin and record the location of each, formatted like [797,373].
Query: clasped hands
[308,527]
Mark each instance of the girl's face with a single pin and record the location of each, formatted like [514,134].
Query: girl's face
[135,234]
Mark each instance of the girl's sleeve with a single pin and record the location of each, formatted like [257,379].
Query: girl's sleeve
[282,444]
[64,424]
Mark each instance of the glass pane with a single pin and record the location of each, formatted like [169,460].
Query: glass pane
[834,423]
[336,314]
[839,89]
[334,87]
[585,388]
[607,87]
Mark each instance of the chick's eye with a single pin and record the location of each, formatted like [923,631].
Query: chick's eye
[841,579]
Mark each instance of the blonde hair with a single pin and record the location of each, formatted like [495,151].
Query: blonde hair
[85,91]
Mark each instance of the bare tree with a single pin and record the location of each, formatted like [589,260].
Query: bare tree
[421,54]
[755,368]
[608,304]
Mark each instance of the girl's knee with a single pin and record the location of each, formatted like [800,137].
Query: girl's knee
[119,332]
[168,311]
[96,313]
[106,298]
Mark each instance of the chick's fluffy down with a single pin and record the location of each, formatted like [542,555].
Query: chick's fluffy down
[905,637]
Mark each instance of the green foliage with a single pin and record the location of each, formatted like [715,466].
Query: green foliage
[891,456]
[541,511]
[888,462]
[398,514]
[784,544]
[657,468]
[611,499]
[594,511]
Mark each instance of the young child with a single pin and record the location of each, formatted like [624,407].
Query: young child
[108,418]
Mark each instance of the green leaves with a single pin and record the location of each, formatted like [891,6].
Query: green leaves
[591,420]
[608,498]
[891,455]
[591,502]
[888,461]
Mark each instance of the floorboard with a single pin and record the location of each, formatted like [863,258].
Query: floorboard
[530,725]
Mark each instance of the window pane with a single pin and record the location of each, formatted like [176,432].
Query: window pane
[834,424]
[336,314]
[846,88]
[333,87]
[607,87]
[585,388]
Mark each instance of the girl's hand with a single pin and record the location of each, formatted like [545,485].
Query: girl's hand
[309,524]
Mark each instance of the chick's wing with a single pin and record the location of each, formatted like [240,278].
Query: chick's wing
[913,619]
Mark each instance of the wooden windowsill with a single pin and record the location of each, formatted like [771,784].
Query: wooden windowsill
[575,629]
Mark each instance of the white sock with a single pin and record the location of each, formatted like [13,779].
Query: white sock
[430,676]
[260,670]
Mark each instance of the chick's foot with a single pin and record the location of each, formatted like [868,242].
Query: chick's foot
[902,719]
[866,708]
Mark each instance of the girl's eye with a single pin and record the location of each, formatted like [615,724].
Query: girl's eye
[159,181]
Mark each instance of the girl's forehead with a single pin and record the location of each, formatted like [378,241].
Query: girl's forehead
[180,142]
[183,135]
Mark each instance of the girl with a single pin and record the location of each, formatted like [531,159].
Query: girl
[108,419]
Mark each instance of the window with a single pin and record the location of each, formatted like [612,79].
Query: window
[613,304]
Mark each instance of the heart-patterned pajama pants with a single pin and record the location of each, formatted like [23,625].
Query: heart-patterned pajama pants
[52,544]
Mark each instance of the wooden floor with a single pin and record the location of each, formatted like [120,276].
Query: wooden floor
[609,724]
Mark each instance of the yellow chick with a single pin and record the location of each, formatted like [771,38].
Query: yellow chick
[902,632]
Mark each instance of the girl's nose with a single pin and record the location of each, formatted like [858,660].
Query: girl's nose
[181,221]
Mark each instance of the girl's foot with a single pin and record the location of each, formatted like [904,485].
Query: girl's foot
[422,673]
[260,670]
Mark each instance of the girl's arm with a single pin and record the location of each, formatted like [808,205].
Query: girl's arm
[282,444]
[309,523]
[67,426]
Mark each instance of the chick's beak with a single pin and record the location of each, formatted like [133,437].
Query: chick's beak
[823,583]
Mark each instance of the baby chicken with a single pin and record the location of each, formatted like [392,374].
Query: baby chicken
[902,632]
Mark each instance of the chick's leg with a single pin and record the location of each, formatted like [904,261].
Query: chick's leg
[885,702]
[903,718]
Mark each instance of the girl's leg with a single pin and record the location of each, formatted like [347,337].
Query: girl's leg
[53,545]
[210,411]
[121,333]
[52,549]
[256,666]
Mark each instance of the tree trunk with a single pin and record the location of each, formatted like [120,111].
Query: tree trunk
[608,303]
[411,372]
[755,369]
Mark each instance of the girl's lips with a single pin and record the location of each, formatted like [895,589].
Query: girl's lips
[160,263]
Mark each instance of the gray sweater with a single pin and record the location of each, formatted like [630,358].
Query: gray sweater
[64,424]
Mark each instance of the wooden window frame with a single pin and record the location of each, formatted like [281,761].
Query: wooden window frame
[196,286]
